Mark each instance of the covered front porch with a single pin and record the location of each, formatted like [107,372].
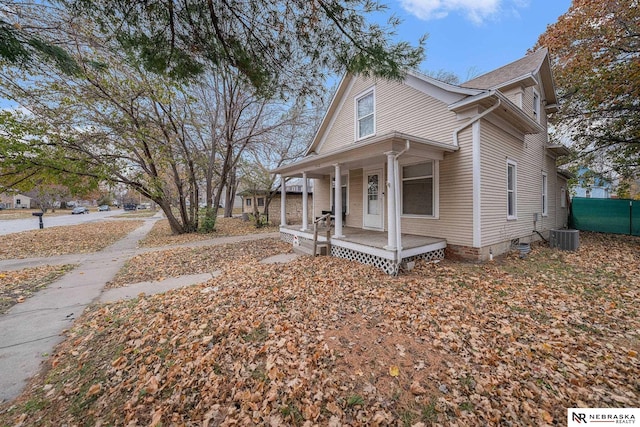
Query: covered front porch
[370,247]
[370,188]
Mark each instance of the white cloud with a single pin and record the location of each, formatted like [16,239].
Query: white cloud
[475,10]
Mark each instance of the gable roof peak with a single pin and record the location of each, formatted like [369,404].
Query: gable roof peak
[526,66]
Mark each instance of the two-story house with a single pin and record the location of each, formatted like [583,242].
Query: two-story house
[427,168]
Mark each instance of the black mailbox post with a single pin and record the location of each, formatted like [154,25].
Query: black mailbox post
[39,214]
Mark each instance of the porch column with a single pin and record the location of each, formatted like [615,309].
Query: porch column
[337,202]
[391,201]
[283,202]
[305,214]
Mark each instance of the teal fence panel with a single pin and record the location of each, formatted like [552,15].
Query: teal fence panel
[619,216]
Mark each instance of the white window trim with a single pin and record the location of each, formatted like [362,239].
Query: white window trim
[344,183]
[515,189]
[436,189]
[371,90]
[545,194]
[536,105]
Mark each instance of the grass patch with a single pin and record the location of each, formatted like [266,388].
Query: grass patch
[259,334]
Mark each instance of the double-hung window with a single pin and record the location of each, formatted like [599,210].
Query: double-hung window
[545,199]
[418,189]
[536,106]
[511,190]
[365,115]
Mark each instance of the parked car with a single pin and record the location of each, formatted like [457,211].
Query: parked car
[103,208]
[79,210]
[129,206]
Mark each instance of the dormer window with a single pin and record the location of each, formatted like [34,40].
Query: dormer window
[365,115]
[536,106]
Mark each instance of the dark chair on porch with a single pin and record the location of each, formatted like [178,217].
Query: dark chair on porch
[333,215]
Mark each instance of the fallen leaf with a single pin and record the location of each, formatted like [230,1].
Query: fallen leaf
[94,389]
[394,371]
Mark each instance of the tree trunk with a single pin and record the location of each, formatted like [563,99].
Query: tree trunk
[230,194]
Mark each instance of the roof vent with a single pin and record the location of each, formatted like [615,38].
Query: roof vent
[566,240]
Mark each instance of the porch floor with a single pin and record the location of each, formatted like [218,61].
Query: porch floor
[376,239]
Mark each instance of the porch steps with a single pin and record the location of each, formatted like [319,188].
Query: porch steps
[316,247]
[306,248]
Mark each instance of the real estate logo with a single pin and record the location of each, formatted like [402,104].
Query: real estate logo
[599,416]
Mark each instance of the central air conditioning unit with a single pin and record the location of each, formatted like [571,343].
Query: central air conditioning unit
[567,240]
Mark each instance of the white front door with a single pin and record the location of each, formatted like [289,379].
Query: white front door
[373,189]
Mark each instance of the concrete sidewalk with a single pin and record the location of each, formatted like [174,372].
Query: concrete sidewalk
[29,331]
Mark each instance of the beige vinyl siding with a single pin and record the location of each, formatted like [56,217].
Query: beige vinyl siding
[514,95]
[531,158]
[405,109]
[455,221]
[398,107]
[321,198]
[496,148]
[354,218]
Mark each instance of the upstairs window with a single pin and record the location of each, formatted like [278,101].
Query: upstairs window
[536,106]
[365,115]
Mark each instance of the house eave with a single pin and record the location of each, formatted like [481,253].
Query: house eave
[333,105]
[565,174]
[508,110]
[559,149]
[551,108]
[392,141]
[445,86]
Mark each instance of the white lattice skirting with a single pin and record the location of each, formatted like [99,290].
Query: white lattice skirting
[389,266]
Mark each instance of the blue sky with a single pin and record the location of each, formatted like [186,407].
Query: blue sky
[474,34]
[470,35]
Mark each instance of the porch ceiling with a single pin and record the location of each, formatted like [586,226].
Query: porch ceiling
[365,153]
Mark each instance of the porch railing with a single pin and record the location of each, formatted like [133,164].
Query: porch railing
[326,219]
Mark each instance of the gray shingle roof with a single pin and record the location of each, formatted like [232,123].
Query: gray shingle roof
[523,66]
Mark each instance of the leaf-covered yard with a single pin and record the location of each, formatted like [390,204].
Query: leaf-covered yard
[330,342]
[160,234]
[52,241]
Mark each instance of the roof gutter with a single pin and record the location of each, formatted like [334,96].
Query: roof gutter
[473,120]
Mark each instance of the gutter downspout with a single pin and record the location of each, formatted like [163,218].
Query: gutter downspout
[396,178]
[473,120]
[475,148]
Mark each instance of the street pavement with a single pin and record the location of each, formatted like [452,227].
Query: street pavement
[29,331]
[8,226]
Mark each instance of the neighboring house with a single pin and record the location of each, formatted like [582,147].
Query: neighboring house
[293,199]
[15,201]
[424,165]
[592,185]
